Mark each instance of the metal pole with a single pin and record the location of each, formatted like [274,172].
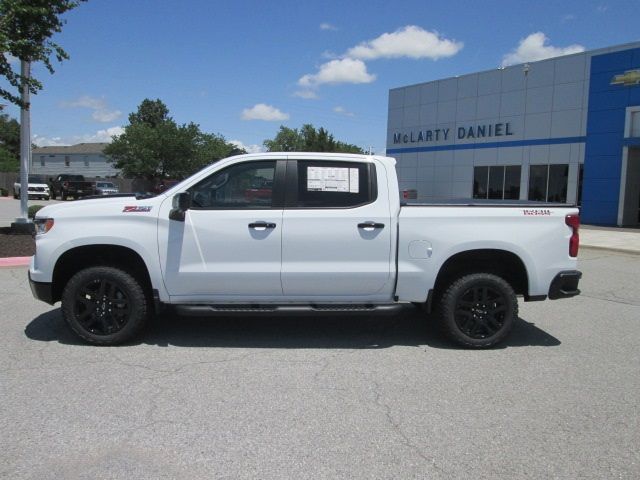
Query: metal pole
[25,143]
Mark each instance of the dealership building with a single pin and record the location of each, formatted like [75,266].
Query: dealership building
[565,130]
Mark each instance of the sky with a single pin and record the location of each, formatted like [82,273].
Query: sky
[243,68]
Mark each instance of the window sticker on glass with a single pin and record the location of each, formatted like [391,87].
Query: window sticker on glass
[332,179]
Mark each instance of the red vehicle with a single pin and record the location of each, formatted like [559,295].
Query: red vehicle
[260,190]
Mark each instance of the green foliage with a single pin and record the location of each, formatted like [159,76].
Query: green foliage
[4,192]
[26,28]
[153,145]
[9,135]
[33,209]
[308,139]
[8,162]
[9,144]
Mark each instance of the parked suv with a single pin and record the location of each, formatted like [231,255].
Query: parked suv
[106,188]
[37,188]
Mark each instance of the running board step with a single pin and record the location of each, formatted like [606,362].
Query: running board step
[243,310]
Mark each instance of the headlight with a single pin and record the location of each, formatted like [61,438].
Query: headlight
[43,225]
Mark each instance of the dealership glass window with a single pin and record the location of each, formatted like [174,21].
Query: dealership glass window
[548,183]
[86,161]
[42,160]
[497,182]
[242,186]
[558,179]
[67,161]
[580,176]
[480,180]
[323,184]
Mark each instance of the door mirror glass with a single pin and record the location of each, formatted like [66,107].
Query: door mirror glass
[180,203]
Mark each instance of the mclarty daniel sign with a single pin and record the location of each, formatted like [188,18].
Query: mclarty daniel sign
[489,130]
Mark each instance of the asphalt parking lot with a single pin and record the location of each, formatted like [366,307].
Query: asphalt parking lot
[346,397]
[10,208]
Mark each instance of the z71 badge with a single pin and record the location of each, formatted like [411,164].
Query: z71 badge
[133,208]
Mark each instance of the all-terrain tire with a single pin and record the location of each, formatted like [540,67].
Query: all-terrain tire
[105,305]
[478,310]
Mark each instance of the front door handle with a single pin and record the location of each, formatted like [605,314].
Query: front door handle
[370,225]
[261,225]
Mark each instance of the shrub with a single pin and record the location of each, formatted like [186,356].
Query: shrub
[33,209]
[4,192]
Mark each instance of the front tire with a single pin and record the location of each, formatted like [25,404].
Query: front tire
[104,305]
[478,310]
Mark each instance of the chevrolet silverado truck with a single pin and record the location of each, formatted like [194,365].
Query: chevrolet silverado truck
[65,186]
[327,234]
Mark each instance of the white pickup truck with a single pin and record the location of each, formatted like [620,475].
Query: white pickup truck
[298,233]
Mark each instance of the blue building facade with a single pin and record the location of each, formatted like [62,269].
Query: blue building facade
[565,130]
[610,156]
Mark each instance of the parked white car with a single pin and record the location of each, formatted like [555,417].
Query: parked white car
[38,188]
[106,188]
[293,233]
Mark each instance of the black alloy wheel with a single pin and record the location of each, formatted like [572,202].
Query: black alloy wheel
[478,310]
[104,305]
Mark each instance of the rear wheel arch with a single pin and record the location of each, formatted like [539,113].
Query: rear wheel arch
[502,263]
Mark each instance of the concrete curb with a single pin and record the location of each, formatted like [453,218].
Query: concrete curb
[9,262]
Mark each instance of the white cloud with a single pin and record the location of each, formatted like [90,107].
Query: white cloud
[264,112]
[343,111]
[253,148]
[42,141]
[410,41]
[346,70]
[327,26]
[535,47]
[306,94]
[106,116]
[101,136]
[101,111]
[568,17]
[602,8]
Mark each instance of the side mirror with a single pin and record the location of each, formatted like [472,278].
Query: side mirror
[180,203]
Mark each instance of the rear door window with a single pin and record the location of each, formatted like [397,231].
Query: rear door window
[327,184]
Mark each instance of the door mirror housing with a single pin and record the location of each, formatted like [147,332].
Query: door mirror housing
[181,202]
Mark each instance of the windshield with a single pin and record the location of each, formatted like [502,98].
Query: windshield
[105,185]
[36,179]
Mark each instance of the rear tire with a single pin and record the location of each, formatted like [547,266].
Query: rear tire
[104,305]
[478,310]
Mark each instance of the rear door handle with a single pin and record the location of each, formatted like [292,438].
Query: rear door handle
[370,225]
[261,225]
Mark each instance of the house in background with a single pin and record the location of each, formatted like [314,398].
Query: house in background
[85,159]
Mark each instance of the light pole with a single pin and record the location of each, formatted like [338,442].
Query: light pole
[22,223]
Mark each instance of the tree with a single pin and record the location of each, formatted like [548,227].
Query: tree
[308,139]
[153,145]
[9,144]
[26,28]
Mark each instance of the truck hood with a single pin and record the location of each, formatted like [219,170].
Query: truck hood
[105,206]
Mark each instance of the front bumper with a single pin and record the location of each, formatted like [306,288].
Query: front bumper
[565,285]
[42,290]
